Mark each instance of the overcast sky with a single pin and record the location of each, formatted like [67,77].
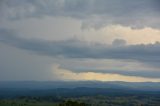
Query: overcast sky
[74,40]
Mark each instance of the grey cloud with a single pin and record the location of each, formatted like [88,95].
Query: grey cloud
[16,64]
[93,13]
[80,49]
[119,42]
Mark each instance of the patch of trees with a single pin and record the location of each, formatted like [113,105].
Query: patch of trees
[72,103]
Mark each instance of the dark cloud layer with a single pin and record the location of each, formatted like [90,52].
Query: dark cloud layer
[80,49]
[94,13]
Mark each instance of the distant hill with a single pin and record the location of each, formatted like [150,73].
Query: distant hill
[79,88]
[150,86]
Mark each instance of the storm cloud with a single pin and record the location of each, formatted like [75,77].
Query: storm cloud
[99,38]
[80,49]
[93,13]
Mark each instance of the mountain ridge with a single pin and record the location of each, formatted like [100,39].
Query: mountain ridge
[151,86]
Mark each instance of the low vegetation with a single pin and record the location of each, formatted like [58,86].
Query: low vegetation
[83,101]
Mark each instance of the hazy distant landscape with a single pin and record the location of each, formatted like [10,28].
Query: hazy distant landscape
[91,93]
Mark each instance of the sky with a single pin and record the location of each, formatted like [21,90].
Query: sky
[80,40]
